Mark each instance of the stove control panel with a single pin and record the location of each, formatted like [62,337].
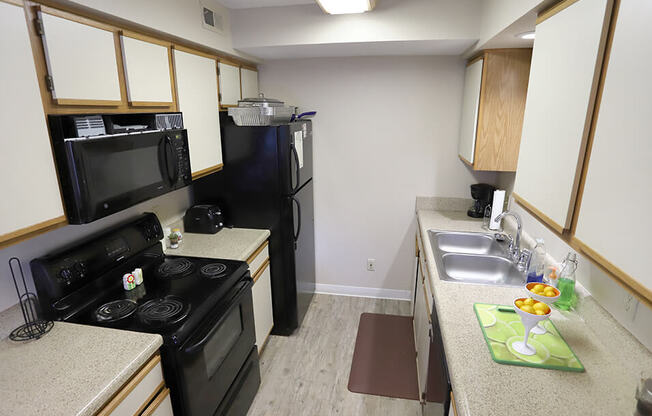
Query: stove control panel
[59,274]
[71,271]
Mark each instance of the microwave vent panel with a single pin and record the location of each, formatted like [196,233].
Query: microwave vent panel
[89,126]
[169,121]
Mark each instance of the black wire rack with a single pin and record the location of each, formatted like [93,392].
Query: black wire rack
[33,328]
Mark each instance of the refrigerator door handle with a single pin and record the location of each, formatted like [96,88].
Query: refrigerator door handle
[296,235]
[296,163]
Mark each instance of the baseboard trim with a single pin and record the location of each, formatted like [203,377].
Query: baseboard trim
[362,292]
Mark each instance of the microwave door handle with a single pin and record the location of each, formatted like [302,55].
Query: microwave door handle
[296,162]
[174,175]
[233,302]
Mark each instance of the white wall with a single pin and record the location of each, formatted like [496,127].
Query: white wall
[180,18]
[386,130]
[169,208]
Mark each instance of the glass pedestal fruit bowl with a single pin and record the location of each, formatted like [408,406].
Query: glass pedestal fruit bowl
[531,314]
[542,292]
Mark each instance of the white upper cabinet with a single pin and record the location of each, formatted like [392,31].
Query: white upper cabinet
[81,60]
[197,94]
[29,178]
[229,84]
[147,72]
[470,106]
[617,187]
[249,81]
[567,55]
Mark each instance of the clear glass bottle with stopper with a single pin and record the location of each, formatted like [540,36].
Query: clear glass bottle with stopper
[566,283]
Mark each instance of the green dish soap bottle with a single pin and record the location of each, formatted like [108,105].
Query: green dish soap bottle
[566,283]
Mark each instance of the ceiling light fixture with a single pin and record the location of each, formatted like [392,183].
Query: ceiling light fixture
[346,6]
[526,35]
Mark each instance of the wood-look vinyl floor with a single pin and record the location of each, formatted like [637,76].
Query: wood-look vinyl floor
[308,372]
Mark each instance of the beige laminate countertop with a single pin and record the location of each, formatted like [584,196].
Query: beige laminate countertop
[613,358]
[72,370]
[228,243]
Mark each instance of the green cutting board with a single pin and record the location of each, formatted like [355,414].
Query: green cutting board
[501,329]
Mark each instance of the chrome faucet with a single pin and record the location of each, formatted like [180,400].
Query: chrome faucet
[520,257]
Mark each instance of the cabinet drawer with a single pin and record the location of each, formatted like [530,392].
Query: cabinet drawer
[257,259]
[138,392]
[160,406]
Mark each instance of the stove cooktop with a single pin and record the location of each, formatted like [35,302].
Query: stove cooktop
[176,294]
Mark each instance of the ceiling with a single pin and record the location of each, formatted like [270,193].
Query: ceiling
[249,4]
[508,38]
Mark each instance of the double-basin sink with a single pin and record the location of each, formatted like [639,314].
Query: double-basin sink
[469,257]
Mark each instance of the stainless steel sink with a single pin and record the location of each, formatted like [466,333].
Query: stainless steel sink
[466,257]
[472,268]
[468,243]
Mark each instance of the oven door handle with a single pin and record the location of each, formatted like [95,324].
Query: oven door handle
[206,333]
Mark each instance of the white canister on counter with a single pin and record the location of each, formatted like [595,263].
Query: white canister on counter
[128,281]
[138,274]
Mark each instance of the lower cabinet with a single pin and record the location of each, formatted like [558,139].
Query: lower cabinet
[160,406]
[262,294]
[432,372]
[144,394]
[421,334]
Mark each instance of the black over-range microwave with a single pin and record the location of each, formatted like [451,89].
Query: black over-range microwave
[109,162]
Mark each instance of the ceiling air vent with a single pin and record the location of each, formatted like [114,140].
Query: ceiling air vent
[211,20]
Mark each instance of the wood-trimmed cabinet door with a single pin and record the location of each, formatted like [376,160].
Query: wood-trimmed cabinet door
[249,80]
[230,92]
[421,334]
[147,72]
[617,185]
[81,61]
[493,103]
[32,200]
[197,99]
[560,100]
[262,301]
[470,108]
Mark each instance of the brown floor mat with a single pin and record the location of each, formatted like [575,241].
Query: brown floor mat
[384,361]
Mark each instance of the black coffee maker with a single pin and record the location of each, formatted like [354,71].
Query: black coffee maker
[483,194]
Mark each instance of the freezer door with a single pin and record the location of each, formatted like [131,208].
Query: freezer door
[295,153]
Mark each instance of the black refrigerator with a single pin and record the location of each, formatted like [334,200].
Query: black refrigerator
[267,183]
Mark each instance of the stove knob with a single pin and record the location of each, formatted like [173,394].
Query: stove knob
[65,274]
[80,268]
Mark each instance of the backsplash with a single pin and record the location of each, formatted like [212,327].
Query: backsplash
[592,281]
[169,207]
[437,203]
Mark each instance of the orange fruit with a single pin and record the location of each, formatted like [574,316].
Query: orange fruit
[540,306]
[527,308]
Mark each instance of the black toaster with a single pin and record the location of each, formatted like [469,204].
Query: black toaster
[203,219]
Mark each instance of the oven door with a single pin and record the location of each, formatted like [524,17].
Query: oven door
[209,361]
[112,173]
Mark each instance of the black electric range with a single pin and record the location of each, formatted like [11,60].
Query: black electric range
[202,307]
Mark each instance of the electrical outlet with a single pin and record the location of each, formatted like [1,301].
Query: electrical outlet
[629,302]
[371,265]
